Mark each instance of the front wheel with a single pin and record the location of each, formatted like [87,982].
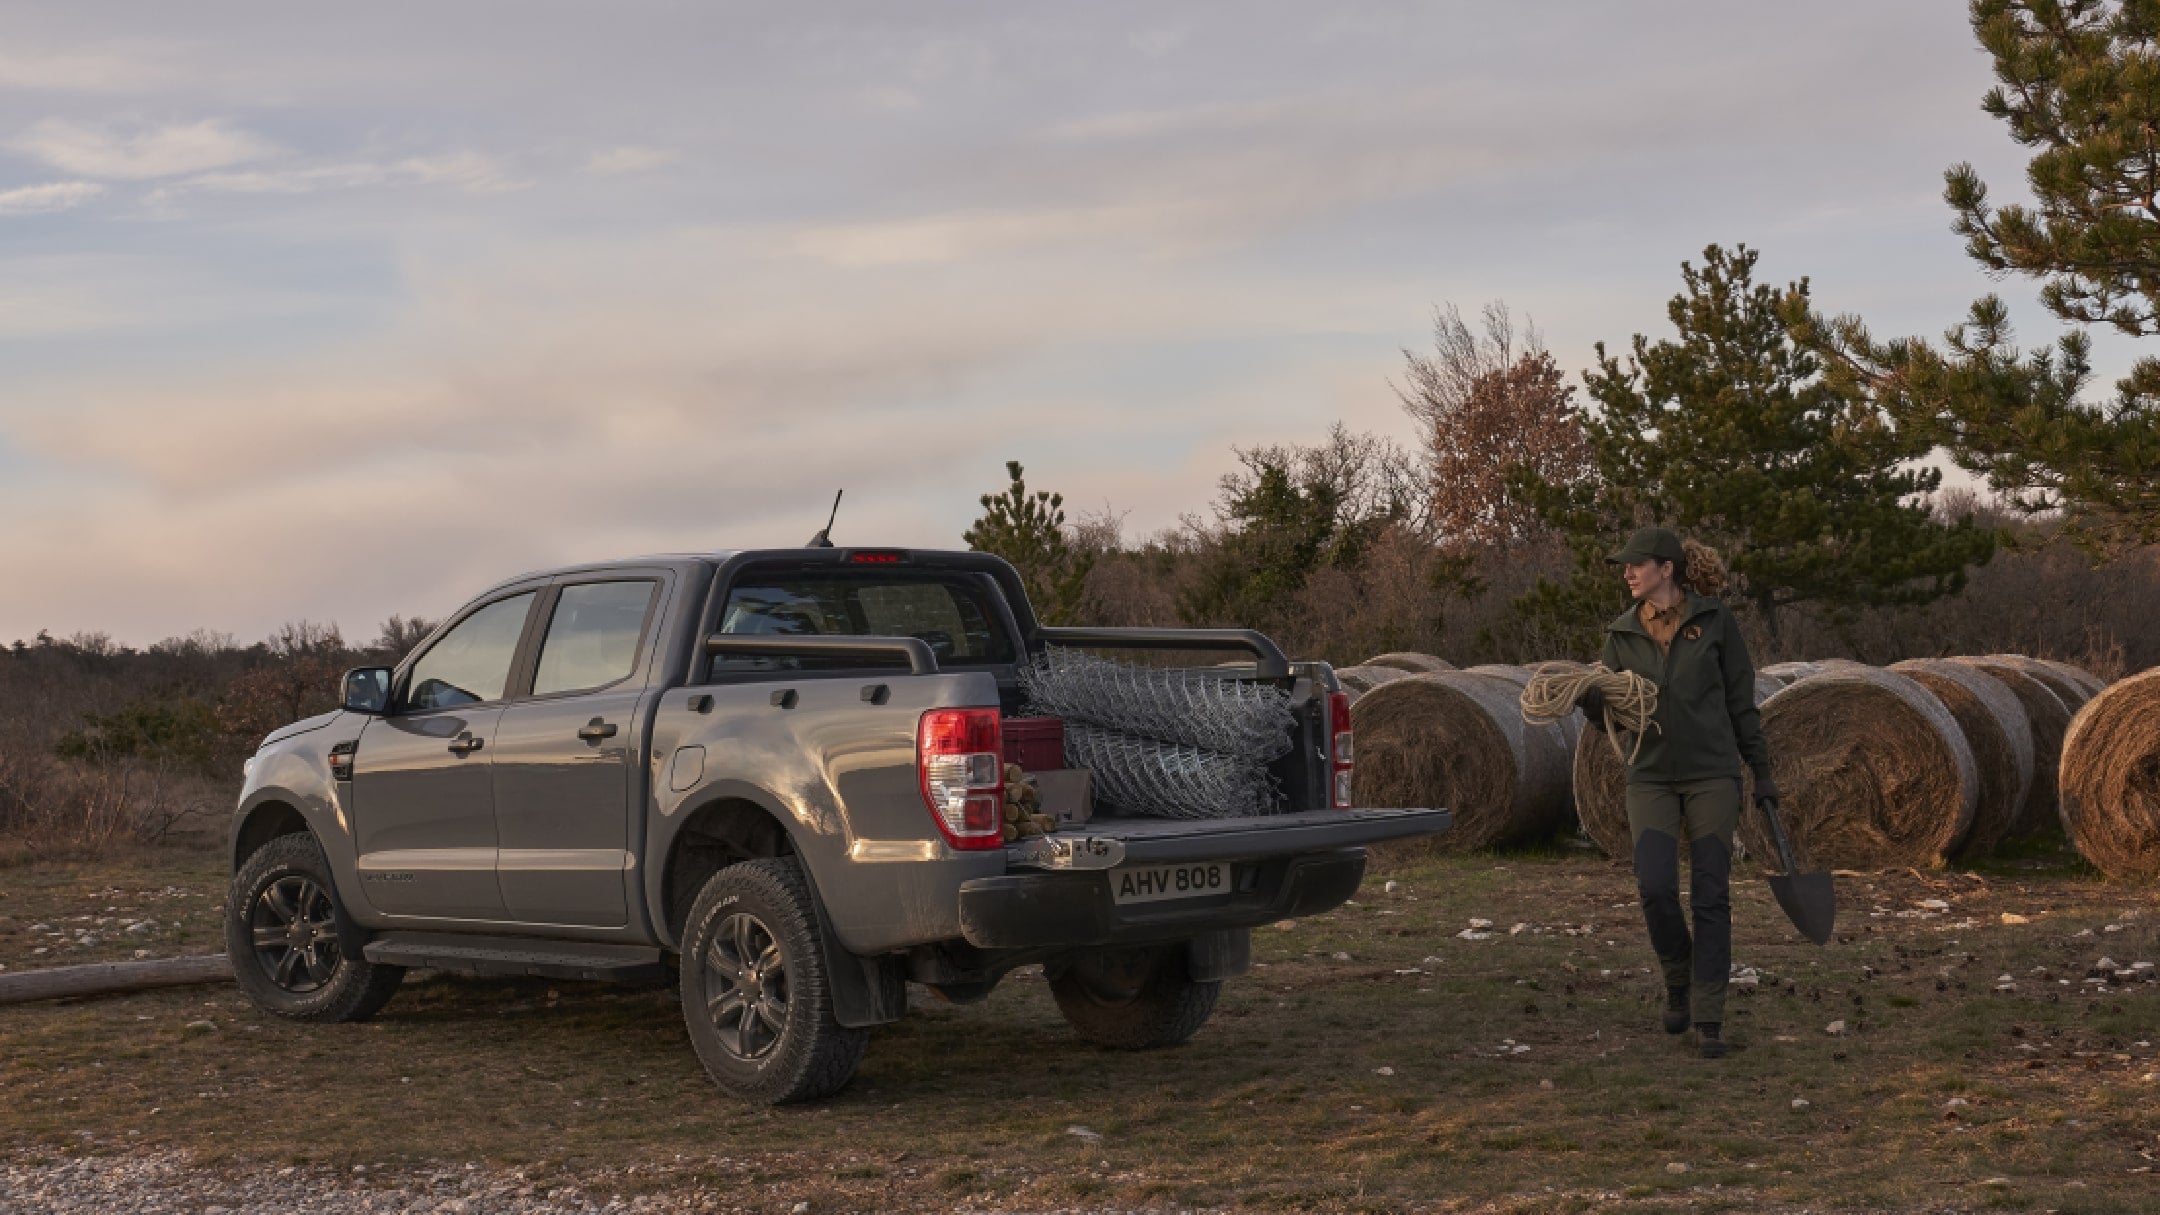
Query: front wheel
[755,993]
[1134,999]
[281,938]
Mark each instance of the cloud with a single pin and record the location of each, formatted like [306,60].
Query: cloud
[77,71]
[52,196]
[630,158]
[139,153]
[470,172]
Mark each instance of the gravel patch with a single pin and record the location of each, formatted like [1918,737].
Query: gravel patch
[167,1182]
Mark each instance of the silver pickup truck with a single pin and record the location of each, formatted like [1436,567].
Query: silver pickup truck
[777,774]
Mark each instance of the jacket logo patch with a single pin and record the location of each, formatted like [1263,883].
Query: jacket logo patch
[1693,632]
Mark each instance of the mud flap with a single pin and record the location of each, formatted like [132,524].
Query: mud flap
[1214,956]
[866,991]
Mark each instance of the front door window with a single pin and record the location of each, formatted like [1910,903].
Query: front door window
[471,663]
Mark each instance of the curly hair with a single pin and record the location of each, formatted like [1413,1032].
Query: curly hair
[1704,571]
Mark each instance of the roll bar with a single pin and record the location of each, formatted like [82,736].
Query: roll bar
[921,659]
[1274,664]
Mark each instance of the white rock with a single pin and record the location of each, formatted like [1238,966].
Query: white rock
[2105,963]
[1391,888]
[1934,904]
[1835,1027]
[1081,1132]
[1676,1167]
[1472,934]
[1478,923]
[1800,1103]
[1383,1071]
[1955,1102]
[1340,956]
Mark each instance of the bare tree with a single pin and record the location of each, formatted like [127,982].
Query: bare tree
[1491,403]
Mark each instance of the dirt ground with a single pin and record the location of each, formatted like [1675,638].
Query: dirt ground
[1960,1047]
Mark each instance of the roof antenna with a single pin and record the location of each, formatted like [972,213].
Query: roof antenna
[824,537]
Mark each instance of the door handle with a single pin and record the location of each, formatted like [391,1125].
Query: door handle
[596,729]
[466,744]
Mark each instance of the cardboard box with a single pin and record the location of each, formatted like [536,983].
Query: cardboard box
[1066,794]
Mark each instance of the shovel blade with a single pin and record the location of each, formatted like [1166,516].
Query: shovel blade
[1809,902]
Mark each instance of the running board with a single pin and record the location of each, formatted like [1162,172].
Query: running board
[518,956]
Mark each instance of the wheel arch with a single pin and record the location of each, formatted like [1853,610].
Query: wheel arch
[727,827]
[266,820]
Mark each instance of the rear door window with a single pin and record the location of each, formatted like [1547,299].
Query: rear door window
[952,613]
[472,661]
[592,637]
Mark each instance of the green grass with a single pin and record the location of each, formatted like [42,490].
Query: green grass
[1278,1104]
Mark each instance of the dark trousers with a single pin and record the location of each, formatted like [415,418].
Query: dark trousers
[1704,813]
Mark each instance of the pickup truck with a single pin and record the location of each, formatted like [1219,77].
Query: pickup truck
[774,775]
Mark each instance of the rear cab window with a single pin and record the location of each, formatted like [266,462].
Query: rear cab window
[954,613]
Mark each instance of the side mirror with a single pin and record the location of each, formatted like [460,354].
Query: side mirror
[367,690]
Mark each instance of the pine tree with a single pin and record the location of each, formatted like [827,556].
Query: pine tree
[1028,530]
[1730,432]
[2080,82]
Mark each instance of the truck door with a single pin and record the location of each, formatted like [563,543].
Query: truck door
[423,803]
[564,755]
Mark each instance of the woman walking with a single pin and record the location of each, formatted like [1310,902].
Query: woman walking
[1684,782]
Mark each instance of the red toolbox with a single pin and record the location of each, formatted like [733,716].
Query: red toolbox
[1037,744]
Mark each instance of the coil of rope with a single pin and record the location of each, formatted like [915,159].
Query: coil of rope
[1630,700]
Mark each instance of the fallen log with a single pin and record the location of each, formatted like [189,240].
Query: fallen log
[105,978]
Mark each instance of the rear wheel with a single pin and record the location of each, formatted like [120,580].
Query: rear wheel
[281,938]
[755,993]
[1134,999]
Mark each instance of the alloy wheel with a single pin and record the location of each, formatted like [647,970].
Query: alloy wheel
[745,986]
[294,928]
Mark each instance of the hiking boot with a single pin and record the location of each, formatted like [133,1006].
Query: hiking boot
[1713,1045]
[1676,1010]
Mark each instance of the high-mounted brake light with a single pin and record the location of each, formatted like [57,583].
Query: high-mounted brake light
[960,765]
[1341,754]
[877,557]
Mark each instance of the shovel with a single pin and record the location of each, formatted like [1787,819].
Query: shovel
[1808,898]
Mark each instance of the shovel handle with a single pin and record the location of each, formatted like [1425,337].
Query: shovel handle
[1777,834]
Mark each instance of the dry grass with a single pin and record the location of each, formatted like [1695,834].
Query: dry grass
[1280,1103]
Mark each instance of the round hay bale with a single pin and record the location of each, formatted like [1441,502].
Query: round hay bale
[1359,680]
[1792,672]
[2072,686]
[1457,741]
[2049,718]
[1411,661]
[1601,789]
[2093,684]
[1519,676]
[1996,729]
[1875,772]
[2111,779]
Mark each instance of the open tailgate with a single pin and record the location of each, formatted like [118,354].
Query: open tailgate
[1105,843]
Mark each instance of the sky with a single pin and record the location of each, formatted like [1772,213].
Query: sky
[330,312]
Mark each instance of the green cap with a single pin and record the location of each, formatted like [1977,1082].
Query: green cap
[1651,544]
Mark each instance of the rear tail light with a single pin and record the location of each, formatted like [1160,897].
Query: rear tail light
[960,763]
[1340,751]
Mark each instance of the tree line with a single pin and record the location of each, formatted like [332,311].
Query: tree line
[1803,447]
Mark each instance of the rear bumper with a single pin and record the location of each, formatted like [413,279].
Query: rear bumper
[1033,910]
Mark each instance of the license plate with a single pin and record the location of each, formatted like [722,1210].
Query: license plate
[1153,883]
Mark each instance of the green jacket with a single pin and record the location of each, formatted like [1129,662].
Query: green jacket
[1706,716]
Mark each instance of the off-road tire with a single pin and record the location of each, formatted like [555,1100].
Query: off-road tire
[810,1055]
[349,988]
[1164,1007]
